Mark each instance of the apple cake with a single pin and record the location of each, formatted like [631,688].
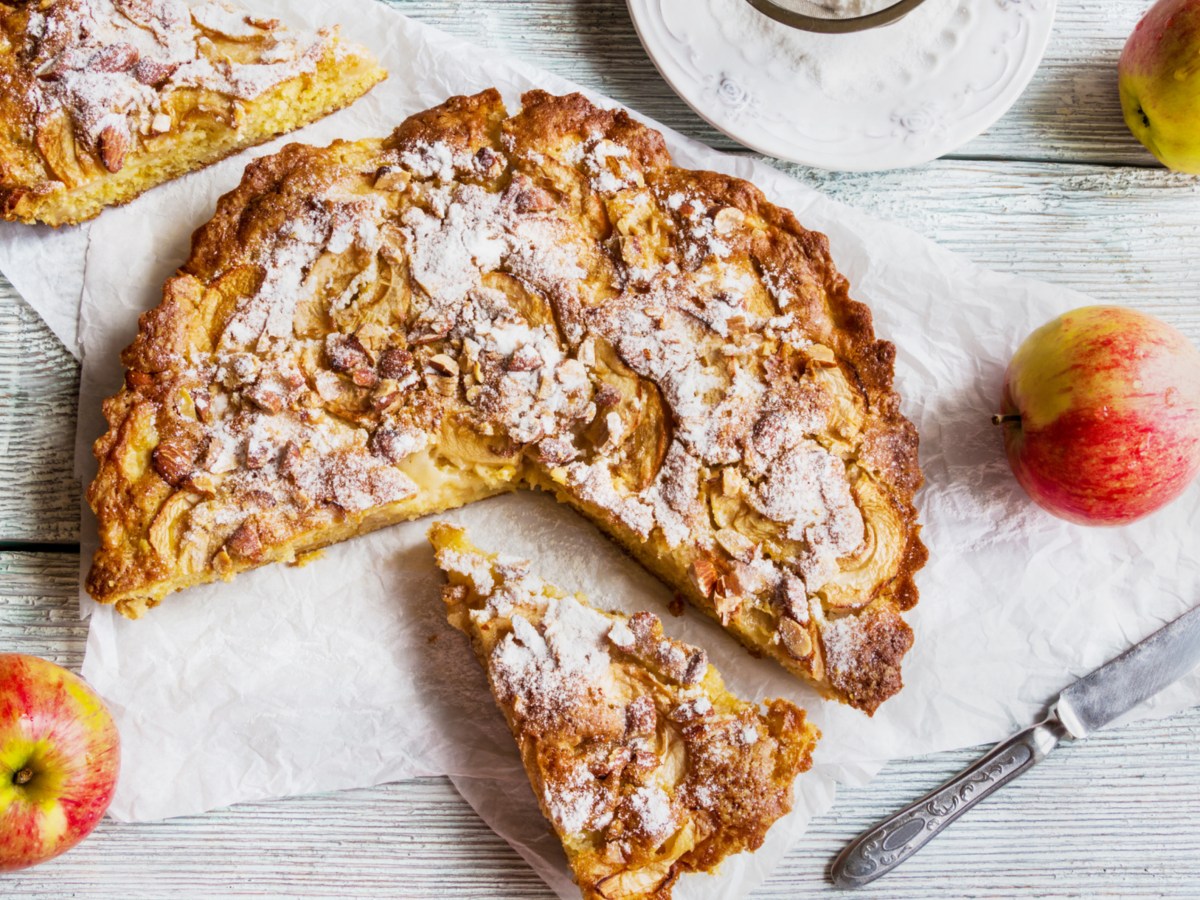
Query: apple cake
[645,764]
[374,331]
[101,100]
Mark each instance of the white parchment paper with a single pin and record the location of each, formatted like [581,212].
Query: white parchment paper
[344,673]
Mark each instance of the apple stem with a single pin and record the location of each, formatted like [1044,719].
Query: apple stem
[1005,419]
[23,777]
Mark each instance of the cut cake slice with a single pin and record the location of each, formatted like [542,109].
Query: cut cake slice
[645,764]
[101,100]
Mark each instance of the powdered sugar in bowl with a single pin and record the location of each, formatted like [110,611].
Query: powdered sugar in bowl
[897,94]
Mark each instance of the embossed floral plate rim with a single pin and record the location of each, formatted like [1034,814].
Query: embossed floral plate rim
[773,109]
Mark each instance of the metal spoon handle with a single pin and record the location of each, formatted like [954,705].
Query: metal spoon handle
[879,850]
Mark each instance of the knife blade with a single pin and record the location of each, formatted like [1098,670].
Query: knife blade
[1089,704]
[1136,675]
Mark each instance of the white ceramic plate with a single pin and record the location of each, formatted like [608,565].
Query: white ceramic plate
[743,83]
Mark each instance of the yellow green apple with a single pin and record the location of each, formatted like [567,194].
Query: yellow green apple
[1159,79]
[1101,415]
[59,756]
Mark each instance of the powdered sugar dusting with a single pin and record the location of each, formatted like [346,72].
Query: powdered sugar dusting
[578,802]
[527,384]
[450,250]
[332,226]
[548,667]
[620,635]
[659,343]
[805,486]
[653,811]
[608,165]
[844,640]
[225,20]
[692,709]
[469,232]
[594,484]
[113,65]
[473,566]
[675,495]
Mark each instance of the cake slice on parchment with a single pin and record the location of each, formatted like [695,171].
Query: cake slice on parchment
[645,765]
[101,100]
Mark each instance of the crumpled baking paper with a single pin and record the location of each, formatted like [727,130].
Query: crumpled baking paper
[344,673]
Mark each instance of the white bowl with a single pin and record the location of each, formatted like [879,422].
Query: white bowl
[741,82]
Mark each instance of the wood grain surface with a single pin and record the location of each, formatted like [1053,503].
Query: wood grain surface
[1056,190]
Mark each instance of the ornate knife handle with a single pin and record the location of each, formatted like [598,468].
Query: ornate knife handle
[879,850]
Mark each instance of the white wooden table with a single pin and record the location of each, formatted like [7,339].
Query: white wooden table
[1057,190]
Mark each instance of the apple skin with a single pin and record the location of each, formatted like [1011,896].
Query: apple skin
[56,732]
[1158,76]
[1101,415]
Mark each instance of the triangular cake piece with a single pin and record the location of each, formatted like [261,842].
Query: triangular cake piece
[645,764]
[101,100]
[377,330]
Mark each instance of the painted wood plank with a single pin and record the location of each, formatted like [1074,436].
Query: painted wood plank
[1114,816]
[1120,235]
[39,385]
[1071,110]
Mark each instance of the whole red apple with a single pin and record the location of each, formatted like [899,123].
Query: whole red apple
[59,756]
[1101,415]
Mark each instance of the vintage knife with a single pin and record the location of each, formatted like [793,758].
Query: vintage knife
[1089,704]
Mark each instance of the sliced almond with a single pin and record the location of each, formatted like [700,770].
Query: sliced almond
[245,542]
[820,355]
[365,378]
[736,544]
[795,638]
[706,576]
[392,178]
[793,597]
[112,146]
[395,363]
[153,73]
[731,482]
[745,580]
[444,365]
[727,220]
[115,58]
[175,458]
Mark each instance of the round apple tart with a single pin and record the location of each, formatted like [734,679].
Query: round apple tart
[374,331]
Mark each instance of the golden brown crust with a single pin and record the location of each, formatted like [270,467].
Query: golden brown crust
[101,100]
[467,124]
[272,189]
[642,760]
[481,302]
[545,120]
